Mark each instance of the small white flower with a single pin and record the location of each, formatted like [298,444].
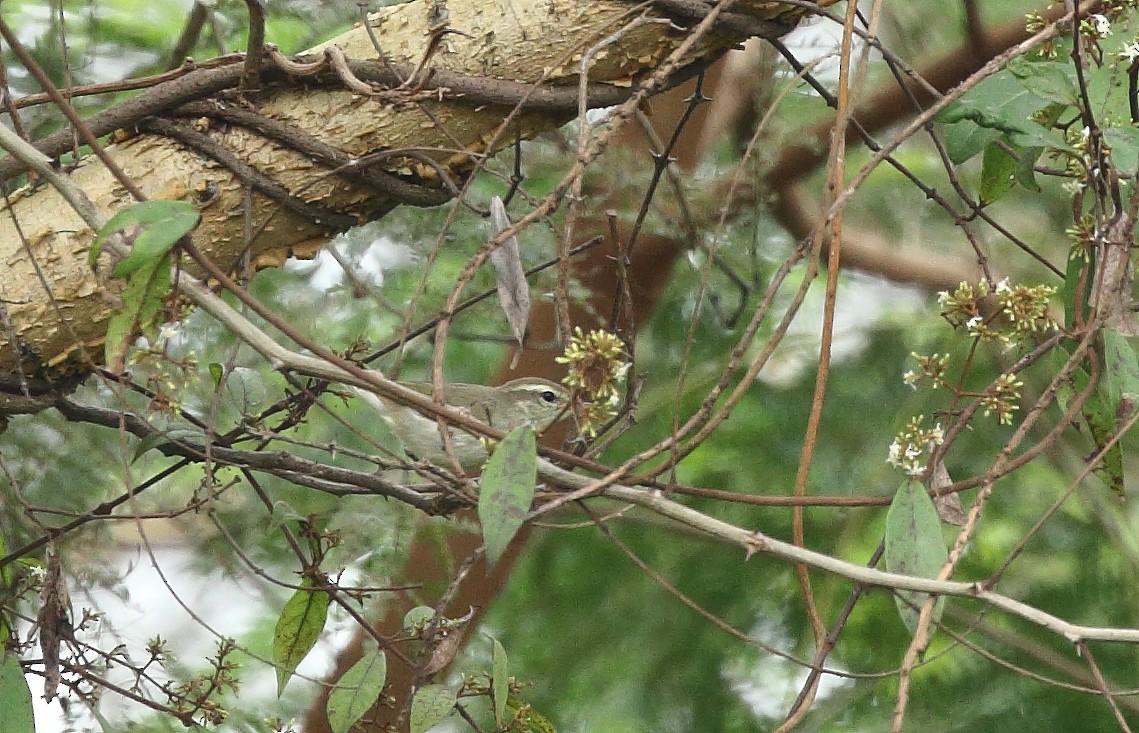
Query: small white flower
[1101,25]
[1129,53]
[1004,287]
[915,471]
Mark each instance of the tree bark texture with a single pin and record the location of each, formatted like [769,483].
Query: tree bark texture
[58,308]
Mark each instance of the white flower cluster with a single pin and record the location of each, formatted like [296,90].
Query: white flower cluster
[912,447]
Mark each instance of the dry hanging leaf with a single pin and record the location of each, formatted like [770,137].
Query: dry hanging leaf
[513,290]
[447,641]
[54,621]
[949,509]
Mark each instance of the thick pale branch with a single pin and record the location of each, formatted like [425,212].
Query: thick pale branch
[44,244]
[755,542]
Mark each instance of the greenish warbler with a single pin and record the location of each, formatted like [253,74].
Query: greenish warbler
[527,401]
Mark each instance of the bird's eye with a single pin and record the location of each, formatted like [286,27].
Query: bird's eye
[549,397]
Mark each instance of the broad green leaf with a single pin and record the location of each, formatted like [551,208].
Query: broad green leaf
[1108,84]
[1124,143]
[998,170]
[499,682]
[417,618]
[151,227]
[506,490]
[1025,172]
[282,513]
[1121,373]
[1051,80]
[1121,393]
[146,444]
[243,391]
[1050,114]
[16,714]
[153,440]
[431,704]
[357,691]
[1100,417]
[142,303]
[1099,414]
[1077,292]
[965,139]
[302,619]
[998,107]
[914,546]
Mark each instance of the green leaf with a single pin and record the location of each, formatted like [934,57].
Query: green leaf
[245,389]
[507,489]
[357,691]
[1099,413]
[150,441]
[417,618]
[152,228]
[142,302]
[998,170]
[965,139]
[1121,388]
[15,697]
[1124,143]
[1100,417]
[499,682]
[1026,162]
[1121,373]
[1076,292]
[283,512]
[999,107]
[216,372]
[302,619]
[1025,172]
[914,546]
[1051,80]
[431,704]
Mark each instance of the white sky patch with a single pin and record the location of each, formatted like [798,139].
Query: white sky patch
[142,607]
[819,38]
[370,255]
[864,304]
[770,686]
